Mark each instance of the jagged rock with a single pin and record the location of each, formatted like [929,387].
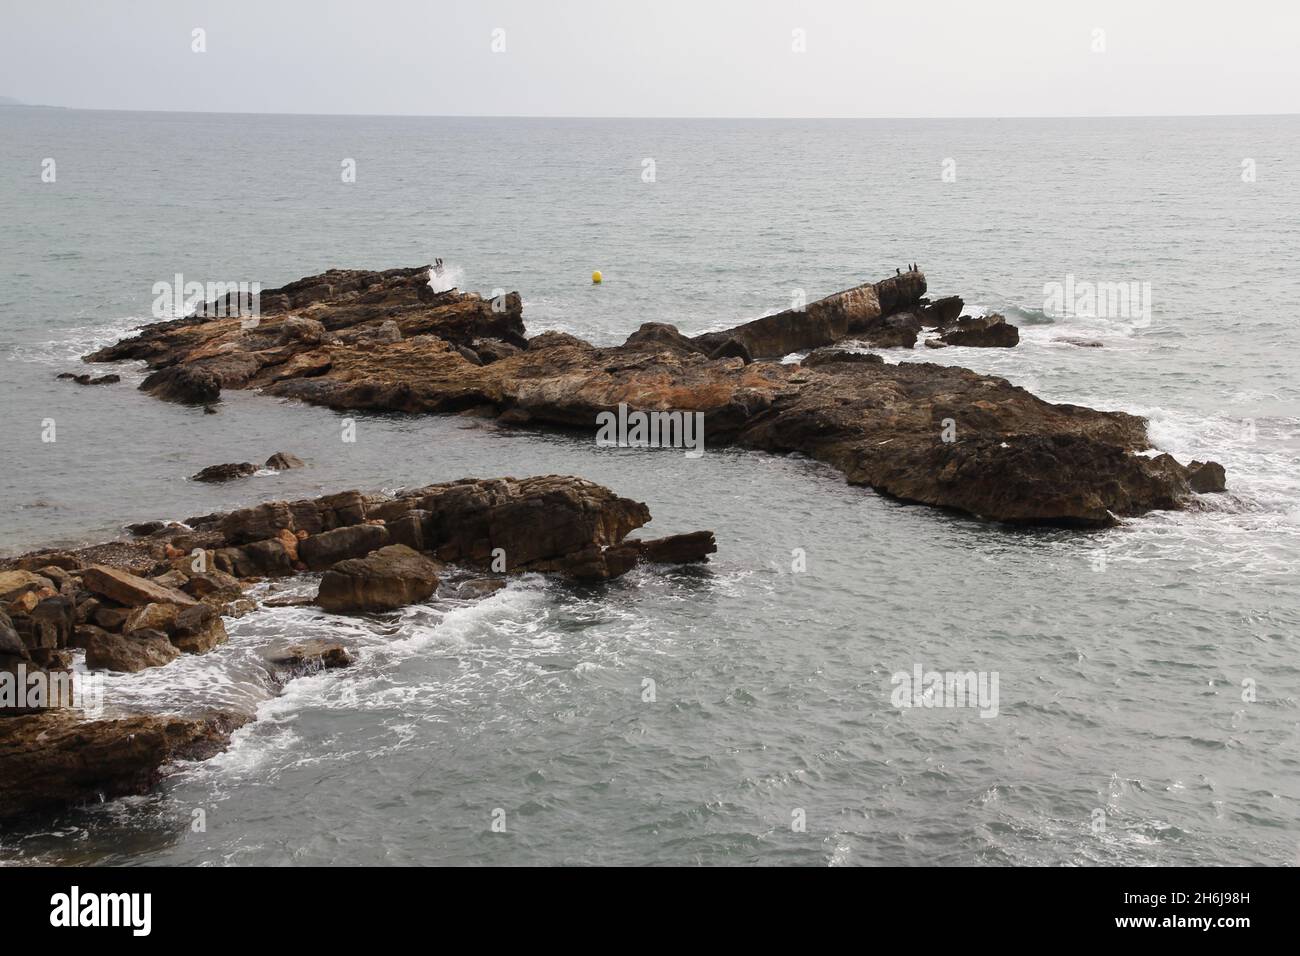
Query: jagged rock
[297,329]
[491,350]
[50,625]
[14,584]
[732,348]
[129,590]
[283,461]
[145,528]
[111,618]
[392,577]
[1079,343]
[320,551]
[87,380]
[657,335]
[825,356]
[153,617]
[476,588]
[986,331]
[844,314]
[941,312]
[203,583]
[311,656]
[678,548]
[551,340]
[561,381]
[198,629]
[1206,477]
[227,472]
[183,384]
[127,653]
[11,644]
[54,760]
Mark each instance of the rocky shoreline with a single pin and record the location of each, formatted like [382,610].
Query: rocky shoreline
[143,602]
[939,435]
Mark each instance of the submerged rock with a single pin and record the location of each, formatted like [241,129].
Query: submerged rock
[87,380]
[311,656]
[229,472]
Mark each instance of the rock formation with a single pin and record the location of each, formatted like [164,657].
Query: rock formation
[136,604]
[919,432]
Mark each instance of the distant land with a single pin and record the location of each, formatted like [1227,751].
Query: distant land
[10,101]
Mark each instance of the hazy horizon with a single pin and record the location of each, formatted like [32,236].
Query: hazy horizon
[728,60]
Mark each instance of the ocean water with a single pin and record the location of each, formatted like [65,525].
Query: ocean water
[1123,732]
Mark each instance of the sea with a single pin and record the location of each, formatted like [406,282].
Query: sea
[1145,679]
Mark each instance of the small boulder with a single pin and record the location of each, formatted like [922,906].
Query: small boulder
[391,577]
[986,331]
[126,652]
[184,384]
[129,590]
[320,551]
[298,329]
[198,629]
[1206,477]
[310,656]
[227,472]
[283,461]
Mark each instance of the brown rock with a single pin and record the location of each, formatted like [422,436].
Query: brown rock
[392,577]
[320,551]
[127,652]
[112,618]
[54,760]
[153,617]
[678,548]
[283,461]
[198,630]
[128,589]
[14,584]
[311,656]
[987,331]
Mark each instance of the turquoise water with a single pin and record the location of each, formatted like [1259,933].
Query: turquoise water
[1121,654]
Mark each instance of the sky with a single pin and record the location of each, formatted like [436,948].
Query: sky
[715,58]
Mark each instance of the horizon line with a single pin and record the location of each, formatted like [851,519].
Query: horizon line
[584,116]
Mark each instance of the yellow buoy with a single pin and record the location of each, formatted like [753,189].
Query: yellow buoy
[596,277]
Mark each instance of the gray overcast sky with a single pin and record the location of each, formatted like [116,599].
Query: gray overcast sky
[657,57]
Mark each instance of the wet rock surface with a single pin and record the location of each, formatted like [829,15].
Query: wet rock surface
[142,603]
[1014,458]
[53,760]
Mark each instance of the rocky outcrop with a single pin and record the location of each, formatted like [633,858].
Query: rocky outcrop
[985,331]
[228,472]
[141,603]
[859,312]
[197,356]
[280,461]
[1090,472]
[54,760]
